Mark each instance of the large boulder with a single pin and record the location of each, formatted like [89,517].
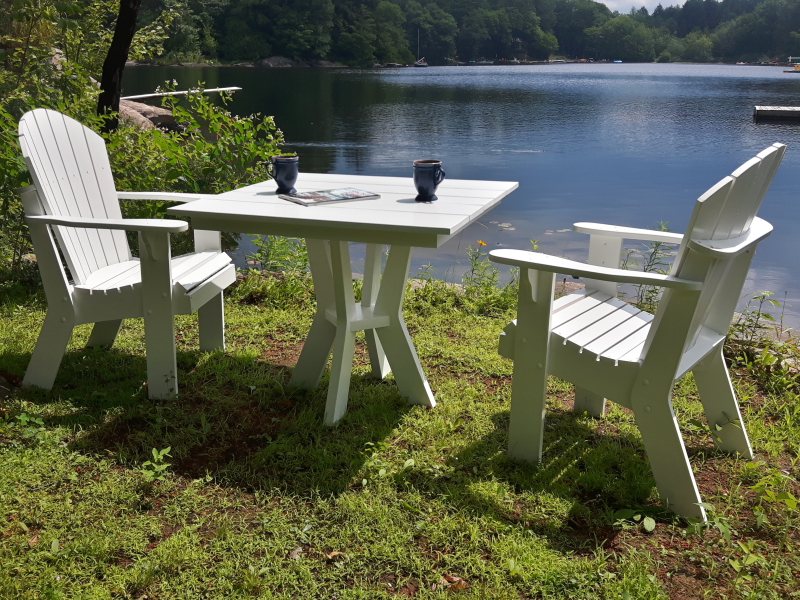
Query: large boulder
[134,117]
[159,117]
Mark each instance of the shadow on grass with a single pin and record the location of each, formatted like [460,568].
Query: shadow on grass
[235,420]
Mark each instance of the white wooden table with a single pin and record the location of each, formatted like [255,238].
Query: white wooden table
[394,219]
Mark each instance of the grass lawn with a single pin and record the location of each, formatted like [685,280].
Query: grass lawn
[257,498]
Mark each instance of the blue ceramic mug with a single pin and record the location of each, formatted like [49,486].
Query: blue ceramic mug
[428,174]
[284,170]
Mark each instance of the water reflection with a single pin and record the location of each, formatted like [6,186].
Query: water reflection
[624,144]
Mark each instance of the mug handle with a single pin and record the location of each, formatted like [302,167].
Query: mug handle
[271,169]
[440,177]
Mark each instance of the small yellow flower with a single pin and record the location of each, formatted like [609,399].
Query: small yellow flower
[481,242]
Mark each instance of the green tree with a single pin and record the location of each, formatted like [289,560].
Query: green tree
[391,43]
[436,29]
[297,29]
[697,47]
[622,38]
[573,18]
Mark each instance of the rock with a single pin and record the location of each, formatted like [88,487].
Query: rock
[160,117]
[276,62]
[324,64]
[131,116]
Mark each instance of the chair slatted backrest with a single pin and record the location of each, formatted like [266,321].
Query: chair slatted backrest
[724,212]
[70,168]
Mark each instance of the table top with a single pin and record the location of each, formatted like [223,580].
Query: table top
[394,218]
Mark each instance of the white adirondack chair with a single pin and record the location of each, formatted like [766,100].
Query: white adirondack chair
[73,211]
[609,349]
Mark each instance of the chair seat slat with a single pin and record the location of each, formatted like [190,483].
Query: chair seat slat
[584,320]
[604,326]
[574,309]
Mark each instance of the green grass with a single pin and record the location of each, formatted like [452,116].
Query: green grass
[262,500]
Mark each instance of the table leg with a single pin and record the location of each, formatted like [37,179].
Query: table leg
[319,342]
[345,339]
[395,338]
[372,282]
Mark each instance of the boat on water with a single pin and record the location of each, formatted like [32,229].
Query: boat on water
[421,63]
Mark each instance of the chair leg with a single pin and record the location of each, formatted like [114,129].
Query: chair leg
[586,401]
[104,334]
[529,381]
[159,322]
[720,405]
[667,454]
[49,351]
[211,321]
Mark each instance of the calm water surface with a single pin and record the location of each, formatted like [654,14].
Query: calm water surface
[612,143]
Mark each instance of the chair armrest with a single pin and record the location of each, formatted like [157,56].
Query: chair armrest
[164,225]
[554,264]
[759,229]
[163,196]
[628,233]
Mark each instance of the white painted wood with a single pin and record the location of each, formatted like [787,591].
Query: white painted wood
[588,401]
[395,338]
[529,382]
[604,251]
[207,241]
[734,246]
[104,334]
[369,295]
[159,323]
[628,233]
[319,342]
[555,264]
[720,405]
[73,207]
[162,196]
[211,321]
[345,339]
[610,350]
[120,224]
[395,219]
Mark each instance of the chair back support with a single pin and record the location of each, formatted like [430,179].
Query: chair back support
[70,168]
[724,212]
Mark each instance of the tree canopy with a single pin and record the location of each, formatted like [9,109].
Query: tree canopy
[364,32]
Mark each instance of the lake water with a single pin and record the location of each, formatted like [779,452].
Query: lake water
[624,144]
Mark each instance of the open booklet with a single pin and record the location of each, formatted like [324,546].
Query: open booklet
[328,196]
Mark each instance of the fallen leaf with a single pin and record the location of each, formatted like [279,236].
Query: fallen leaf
[334,554]
[295,554]
[33,541]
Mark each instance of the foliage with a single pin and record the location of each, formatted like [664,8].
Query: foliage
[156,468]
[654,258]
[622,38]
[277,253]
[764,347]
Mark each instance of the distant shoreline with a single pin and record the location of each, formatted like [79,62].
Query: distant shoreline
[279,62]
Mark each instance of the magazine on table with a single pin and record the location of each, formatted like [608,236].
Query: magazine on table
[329,196]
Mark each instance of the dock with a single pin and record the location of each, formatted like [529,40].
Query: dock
[776,113]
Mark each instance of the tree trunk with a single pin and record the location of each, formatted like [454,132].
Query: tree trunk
[111,79]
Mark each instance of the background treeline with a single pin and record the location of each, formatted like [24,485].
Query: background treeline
[363,32]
